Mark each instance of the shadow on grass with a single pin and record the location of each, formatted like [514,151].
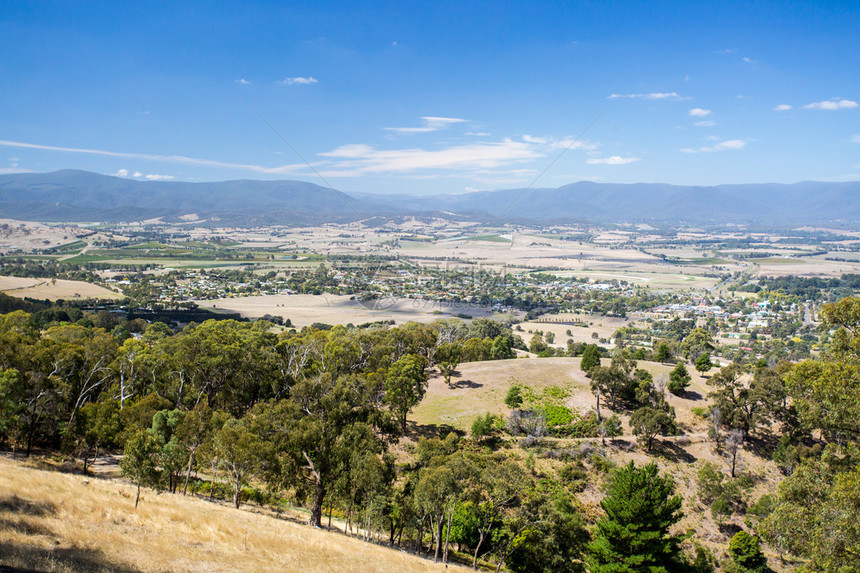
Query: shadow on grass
[672,452]
[431,430]
[466,384]
[693,396]
[762,446]
[19,505]
[25,558]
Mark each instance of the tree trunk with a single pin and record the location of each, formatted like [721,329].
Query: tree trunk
[137,498]
[212,485]
[316,509]
[188,473]
[30,434]
[478,548]
[438,535]
[419,538]
[448,535]
[237,488]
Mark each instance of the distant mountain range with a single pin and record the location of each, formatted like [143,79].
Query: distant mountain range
[71,195]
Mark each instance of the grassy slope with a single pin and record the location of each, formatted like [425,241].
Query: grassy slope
[481,387]
[53,521]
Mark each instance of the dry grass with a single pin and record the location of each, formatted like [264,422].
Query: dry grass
[52,521]
[54,289]
[306,309]
[480,387]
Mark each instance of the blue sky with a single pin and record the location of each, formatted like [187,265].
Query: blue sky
[407,97]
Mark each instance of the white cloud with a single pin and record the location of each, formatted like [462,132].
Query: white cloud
[164,158]
[431,123]
[855,139]
[614,160]
[121,173]
[699,112]
[706,123]
[358,159]
[13,170]
[154,177]
[749,60]
[241,82]
[728,145]
[491,158]
[671,96]
[832,104]
[477,133]
[783,107]
[298,81]
[532,139]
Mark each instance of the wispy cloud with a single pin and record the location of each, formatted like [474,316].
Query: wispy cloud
[431,123]
[747,60]
[154,177]
[832,104]
[855,139]
[670,96]
[299,80]
[699,112]
[482,159]
[728,145]
[149,157]
[359,159]
[241,82]
[706,123]
[13,170]
[783,107]
[614,160]
[477,133]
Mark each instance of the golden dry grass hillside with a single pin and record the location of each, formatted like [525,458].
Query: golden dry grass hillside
[51,521]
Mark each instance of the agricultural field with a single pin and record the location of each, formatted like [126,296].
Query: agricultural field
[304,310]
[54,289]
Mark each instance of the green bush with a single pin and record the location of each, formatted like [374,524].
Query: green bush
[746,554]
[557,415]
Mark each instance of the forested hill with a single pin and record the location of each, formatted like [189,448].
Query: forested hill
[71,195]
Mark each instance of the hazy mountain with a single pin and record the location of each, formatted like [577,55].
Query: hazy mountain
[71,195]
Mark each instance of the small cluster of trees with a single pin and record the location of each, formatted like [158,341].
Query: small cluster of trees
[623,386]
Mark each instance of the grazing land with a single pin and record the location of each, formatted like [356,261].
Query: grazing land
[54,289]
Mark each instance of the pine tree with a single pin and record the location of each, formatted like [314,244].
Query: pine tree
[634,535]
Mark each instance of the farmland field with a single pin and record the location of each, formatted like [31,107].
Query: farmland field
[54,289]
